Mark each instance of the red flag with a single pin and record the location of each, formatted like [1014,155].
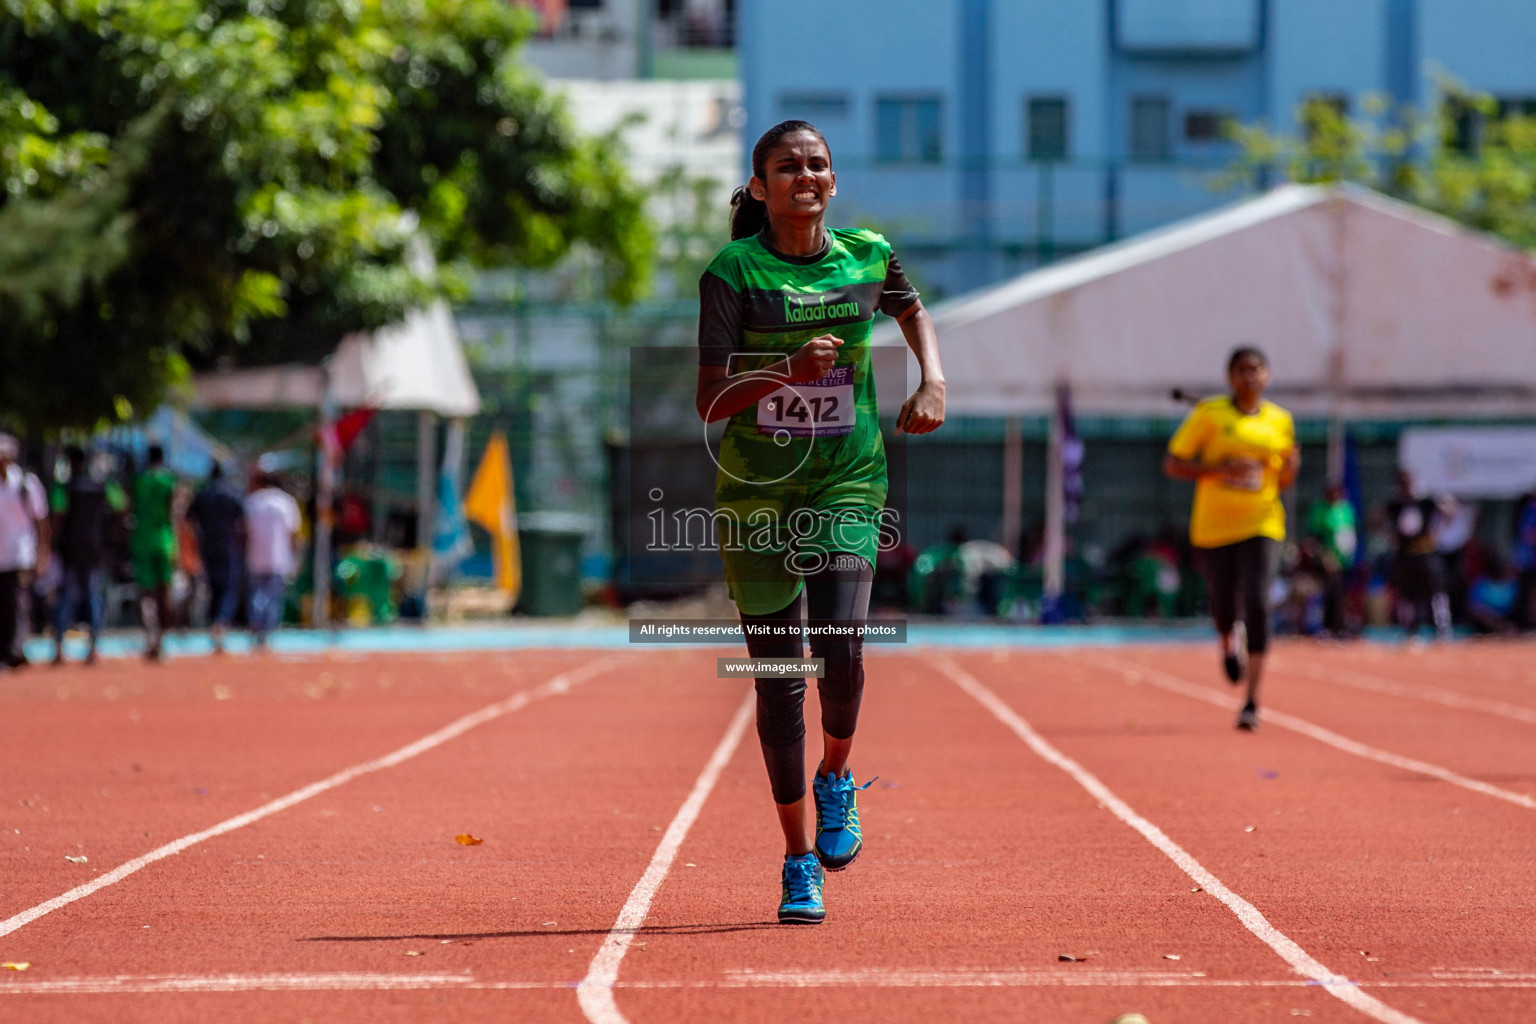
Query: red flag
[349,426]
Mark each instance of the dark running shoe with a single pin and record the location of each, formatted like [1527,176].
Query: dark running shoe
[1248,718]
[800,900]
[1235,659]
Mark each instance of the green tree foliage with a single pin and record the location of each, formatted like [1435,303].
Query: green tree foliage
[1471,160]
[199,182]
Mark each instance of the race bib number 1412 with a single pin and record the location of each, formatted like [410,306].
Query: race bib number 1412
[819,407]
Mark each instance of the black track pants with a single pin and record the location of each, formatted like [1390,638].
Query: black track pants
[1238,577]
[839,595]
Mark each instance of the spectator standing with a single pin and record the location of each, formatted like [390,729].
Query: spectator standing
[23,543]
[271,555]
[1417,572]
[154,547]
[1334,525]
[82,510]
[218,516]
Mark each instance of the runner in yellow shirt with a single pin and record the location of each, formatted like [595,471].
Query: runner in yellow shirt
[1240,452]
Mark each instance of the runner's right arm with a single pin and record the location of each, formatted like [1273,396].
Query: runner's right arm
[1183,461]
[720,395]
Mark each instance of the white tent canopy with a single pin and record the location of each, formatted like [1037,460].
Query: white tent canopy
[1367,307]
[416,364]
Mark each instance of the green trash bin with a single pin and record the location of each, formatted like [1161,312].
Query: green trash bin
[551,554]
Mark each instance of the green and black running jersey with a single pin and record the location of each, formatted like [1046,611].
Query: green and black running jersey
[813,445]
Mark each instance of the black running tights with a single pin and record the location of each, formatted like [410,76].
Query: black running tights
[1238,578]
[839,595]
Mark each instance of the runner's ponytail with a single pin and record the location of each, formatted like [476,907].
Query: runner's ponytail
[749,214]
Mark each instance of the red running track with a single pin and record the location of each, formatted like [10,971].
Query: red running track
[1366,858]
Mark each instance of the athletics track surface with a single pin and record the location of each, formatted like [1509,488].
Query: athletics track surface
[1367,859]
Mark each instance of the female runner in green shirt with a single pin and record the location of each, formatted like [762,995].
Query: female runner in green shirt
[786,312]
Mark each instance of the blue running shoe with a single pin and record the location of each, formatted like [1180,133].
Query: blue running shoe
[839,838]
[801,899]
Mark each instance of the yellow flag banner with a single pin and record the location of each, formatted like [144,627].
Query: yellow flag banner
[489,503]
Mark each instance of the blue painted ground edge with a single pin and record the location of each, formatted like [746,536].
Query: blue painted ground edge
[446,639]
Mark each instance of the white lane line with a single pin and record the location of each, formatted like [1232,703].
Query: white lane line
[236,983]
[559,684]
[1087,977]
[1034,978]
[1413,691]
[1173,684]
[895,977]
[595,992]
[1302,962]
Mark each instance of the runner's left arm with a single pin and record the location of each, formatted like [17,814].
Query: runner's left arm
[1292,464]
[922,413]
[1290,467]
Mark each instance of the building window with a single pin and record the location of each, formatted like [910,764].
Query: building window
[1335,101]
[813,106]
[1046,127]
[1464,125]
[1516,106]
[1318,105]
[1205,27]
[1205,126]
[694,23]
[909,131]
[1149,128]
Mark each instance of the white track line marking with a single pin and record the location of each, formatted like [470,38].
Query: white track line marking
[128,984]
[1173,684]
[560,684]
[595,992]
[961,977]
[1413,691]
[1087,977]
[1302,962]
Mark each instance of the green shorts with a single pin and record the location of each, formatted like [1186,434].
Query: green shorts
[154,563]
[768,551]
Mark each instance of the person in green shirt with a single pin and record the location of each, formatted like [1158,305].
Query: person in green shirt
[153,544]
[786,313]
[1333,522]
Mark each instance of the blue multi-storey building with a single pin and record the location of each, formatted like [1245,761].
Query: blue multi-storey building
[993,135]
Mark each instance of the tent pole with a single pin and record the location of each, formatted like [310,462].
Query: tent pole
[1054,555]
[426,450]
[1336,315]
[1336,434]
[324,491]
[1013,483]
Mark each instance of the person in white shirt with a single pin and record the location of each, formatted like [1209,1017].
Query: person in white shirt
[271,552]
[23,543]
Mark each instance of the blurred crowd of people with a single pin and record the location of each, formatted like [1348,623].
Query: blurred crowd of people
[1416,562]
[89,534]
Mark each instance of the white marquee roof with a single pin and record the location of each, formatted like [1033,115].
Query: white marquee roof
[416,364]
[1399,312]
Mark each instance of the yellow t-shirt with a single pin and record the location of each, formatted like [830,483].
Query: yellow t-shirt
[1215,431]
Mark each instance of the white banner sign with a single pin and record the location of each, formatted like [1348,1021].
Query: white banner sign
[1470,462]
